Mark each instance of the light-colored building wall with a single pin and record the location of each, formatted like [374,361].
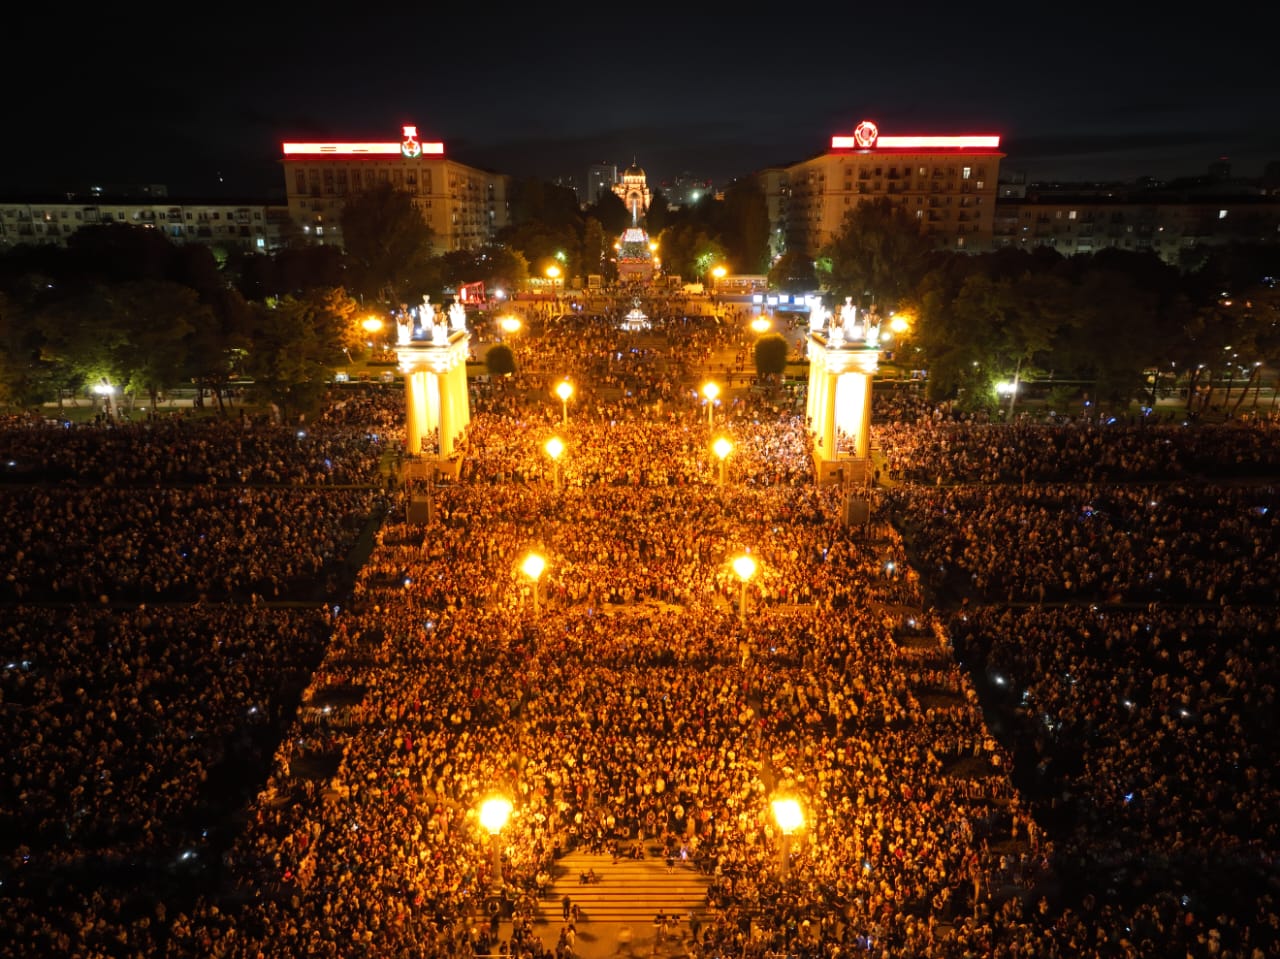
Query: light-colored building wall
[463,205]
[951,194]
[1168,227]
[255,227]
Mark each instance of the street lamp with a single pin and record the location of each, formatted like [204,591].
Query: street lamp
[532,567]
[710,390]
[554,447]
[564,390]
[722,448]
[761,324]
[494,813]
[745,567]
[509,324]
[717,274]
[553,272]
[789,817]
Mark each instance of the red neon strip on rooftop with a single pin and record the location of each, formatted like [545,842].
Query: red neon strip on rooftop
[354,149]
[922,143]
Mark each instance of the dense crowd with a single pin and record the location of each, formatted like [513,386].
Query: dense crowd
[1121,633]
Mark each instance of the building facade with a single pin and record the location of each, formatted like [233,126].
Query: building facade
[632,189]
[947,184]
[250,226]
[600,180]
[463,205]
[1172,222]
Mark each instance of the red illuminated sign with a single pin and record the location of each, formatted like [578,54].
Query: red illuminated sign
[408,146]
[866,136]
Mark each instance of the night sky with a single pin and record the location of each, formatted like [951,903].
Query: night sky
[200,99]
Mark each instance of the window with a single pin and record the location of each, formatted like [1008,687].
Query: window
[300,181]
[1222,214]
[964,173]
[1071,215]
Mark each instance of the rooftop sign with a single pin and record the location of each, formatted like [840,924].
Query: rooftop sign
[866,136]
[408,146]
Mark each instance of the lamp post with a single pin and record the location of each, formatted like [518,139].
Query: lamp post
[745,567]
[717,274]
[554,447]
[789,817]
[564,390]
[553,272]
[760,325]
[722,448]
[710,390]
[532,567]
[371,325]
[494,813]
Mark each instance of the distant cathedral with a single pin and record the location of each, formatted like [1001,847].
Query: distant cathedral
[633,190]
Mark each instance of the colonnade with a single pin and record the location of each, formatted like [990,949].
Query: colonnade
[841,373]
[436,398]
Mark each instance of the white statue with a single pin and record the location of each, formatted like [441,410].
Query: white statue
[439,333]
[404,328]
[817,318]
[457,316]
[835,333]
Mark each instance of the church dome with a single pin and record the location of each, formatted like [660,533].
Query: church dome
[633,170]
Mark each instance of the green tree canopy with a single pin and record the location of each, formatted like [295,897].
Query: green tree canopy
[500,360]
[879,254]
[771,354]
[387,243]
[296,344]
[794,272]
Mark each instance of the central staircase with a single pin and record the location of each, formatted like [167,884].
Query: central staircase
[630,891]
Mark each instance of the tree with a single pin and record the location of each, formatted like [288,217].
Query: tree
[24,380]
[387,242]
[771,355]
[215,346]
[793,273]
[295,347]
[879,252]
[689,251]
[743,226]
[155,320]
[500,360]
[129,335]
[612,213]
[593,247]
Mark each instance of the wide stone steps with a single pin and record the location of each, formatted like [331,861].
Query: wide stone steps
[630,890]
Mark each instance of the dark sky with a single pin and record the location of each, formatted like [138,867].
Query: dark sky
[200,97]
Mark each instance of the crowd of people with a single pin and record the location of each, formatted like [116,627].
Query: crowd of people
[640,692]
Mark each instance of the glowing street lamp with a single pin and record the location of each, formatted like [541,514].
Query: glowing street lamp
[532,567]
[710,390]
[789,817]
[371,324]
[509,324]
[760,325]
[554,447]
[564,390]
[553,273]
[745,567]
[722,448]
[494,814]
[717,274]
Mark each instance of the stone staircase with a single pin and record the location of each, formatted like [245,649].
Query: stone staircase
[629,891]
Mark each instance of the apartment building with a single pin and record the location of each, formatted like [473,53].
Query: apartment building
[947,184]
[463,205]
